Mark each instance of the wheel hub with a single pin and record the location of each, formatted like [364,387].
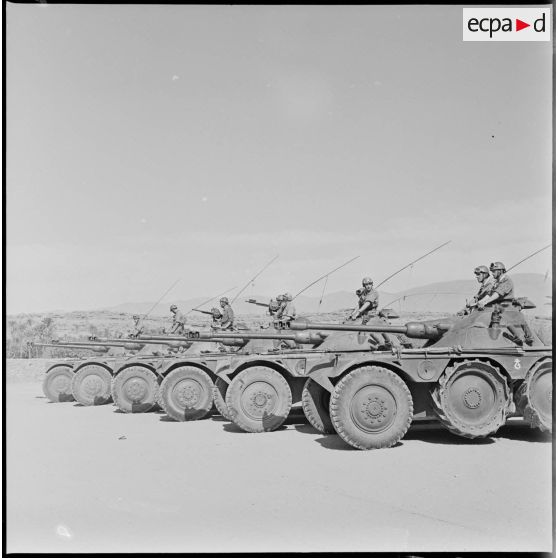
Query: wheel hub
[92,385]
[61,383]
[373,408]
[259,399]
[135,389]
[472,398]
[187,393]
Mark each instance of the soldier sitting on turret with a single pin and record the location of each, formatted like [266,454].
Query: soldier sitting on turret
[227,315]
[367,308]
[287,310]
[483,277]
[215,318]
[178,320]
[501,296]
[138,328]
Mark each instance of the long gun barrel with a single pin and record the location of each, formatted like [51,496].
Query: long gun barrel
[203,312]
[254,301]
[414,330]
[89,345]
[242,337]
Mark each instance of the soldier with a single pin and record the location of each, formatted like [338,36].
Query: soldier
[216,317]
[483,277]
[138,327]
[501,291]
[501,296]
[287,310]
[178,320]
[368,300]
[227,315]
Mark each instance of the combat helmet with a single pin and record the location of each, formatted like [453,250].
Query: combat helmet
[135,317]
[224,299]
[497,265]
[216,312]
[367,281]
[481,269]
[288,297]
[173,307]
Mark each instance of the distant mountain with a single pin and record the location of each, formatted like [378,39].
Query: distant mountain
[445,296]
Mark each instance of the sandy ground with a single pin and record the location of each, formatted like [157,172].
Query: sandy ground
[92,479]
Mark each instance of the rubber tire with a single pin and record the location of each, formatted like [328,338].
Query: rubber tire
[445,402]
[59,391]
[148,381]
[528,401]
[315,404]
[272,413]
[103,374]
[219,394]
[345,398]
[173,399]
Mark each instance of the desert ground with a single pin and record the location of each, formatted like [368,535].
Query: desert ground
[93,479]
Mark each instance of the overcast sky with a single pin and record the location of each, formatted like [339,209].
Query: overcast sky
[151,143]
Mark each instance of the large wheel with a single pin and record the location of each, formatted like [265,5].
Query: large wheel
[259,399]
[91,384]
[134,389]
[187,393]
[315,404]
[371,408]
[219,394]
[472,399]
[57,385]
[534,397]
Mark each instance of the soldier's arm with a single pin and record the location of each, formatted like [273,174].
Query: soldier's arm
[487,299]
[360,310]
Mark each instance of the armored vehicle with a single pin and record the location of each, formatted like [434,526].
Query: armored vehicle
[468,373]
[87,379]
[184,384]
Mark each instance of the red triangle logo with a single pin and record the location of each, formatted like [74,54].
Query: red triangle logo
[519,25]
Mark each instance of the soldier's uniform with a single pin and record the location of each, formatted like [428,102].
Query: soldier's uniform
[287,310]
[368,301]
[374,299]
[505,299]
[138,328]
[485,288]
[178,323]
[504,288]
[227,317]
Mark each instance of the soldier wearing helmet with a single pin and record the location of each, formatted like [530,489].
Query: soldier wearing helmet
[138,326]
[216,317]
[227,315]
[274,305]
[367,301]
[501,297]
[501,291]
[367,308]
[483,277]
[287,310]
[178,320]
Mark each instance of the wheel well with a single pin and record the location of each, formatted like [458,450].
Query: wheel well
[269,364]
[488,360]
[390,366]
[81,365]
[197,365]
[60,365]
[130,364]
